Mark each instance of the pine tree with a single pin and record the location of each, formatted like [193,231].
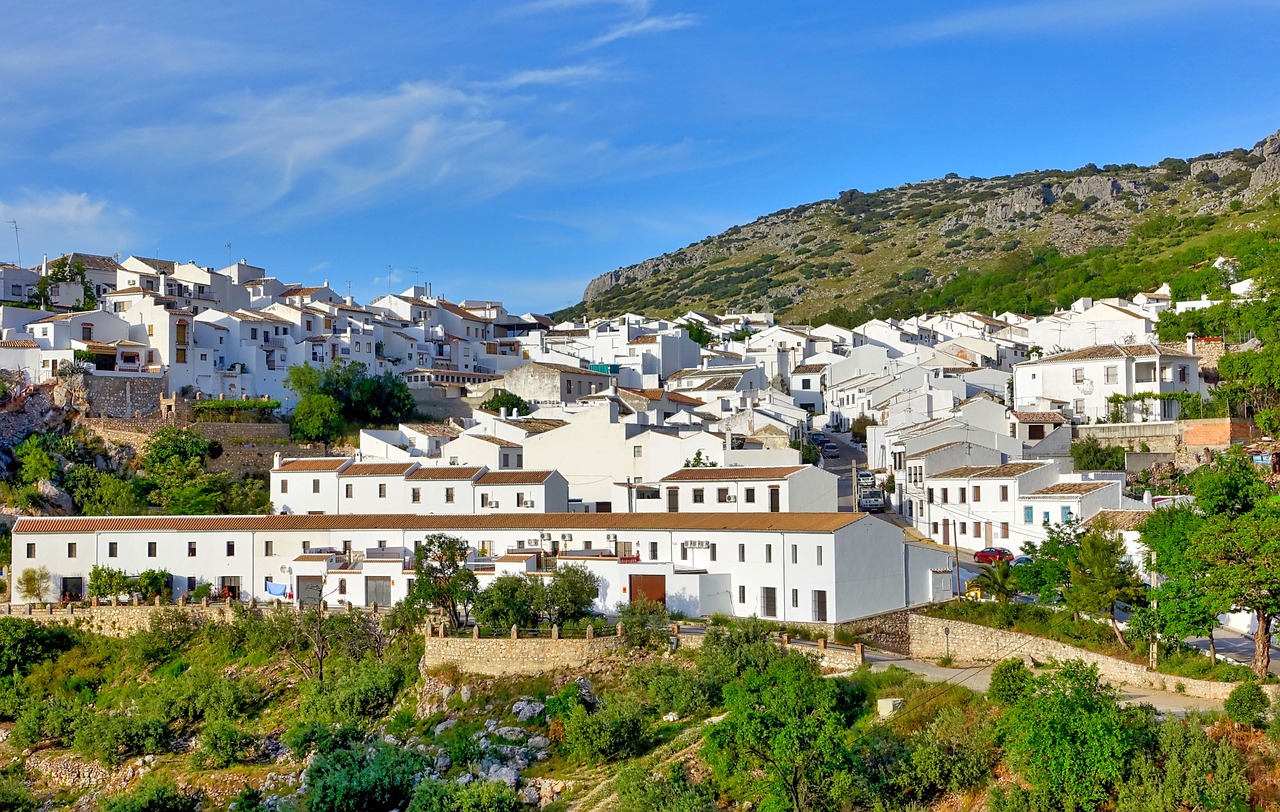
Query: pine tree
[1101,576]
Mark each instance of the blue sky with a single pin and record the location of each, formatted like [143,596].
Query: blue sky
[515,149]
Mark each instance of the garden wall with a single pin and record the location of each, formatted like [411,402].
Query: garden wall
[934,638]
[504,656]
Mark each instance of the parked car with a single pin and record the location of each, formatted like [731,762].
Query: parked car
[990,555]
[1022,559]
[830,451]
[866,479]
[818,438]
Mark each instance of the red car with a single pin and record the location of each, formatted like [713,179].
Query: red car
[991,555]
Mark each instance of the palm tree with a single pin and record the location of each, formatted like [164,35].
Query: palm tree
[996,580]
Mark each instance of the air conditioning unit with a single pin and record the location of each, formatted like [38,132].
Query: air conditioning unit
[493,505]
[731,498]
[544,536]
[566,537]
[528,503]
[611,537]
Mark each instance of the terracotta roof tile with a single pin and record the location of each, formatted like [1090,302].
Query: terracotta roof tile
[498,441]
[444,472]
[733,473]
[1039,417]
[313,464]
[514,478]
[1068,488]
[19,344]
[378,469]
[1120,519]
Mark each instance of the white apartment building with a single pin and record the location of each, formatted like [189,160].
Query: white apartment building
[823,568]
[1085,379]
[343,486]
[780,489]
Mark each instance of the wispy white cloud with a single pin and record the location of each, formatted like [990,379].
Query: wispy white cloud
[641,27]
[59,221]
[309,150]
[566,75]
[1060,15]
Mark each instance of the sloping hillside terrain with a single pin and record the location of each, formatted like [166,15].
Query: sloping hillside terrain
[1026,242]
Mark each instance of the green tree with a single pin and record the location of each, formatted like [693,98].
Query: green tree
[700,461]
[98,493]
[304,379]
[501,399]
[616,730]
[570,594]
[33,583]
[316,418]
[1090,455]
[1231,486]
[35,462]
[181,487]
[1101,577]
[151,584]
[1240,559]
[508,601]
[356,780]
[784,724]
[105,582]
[442,579]
[173,443]
[998,580]
[698,332]
[1048,574]
[24,643]
[1069,738]
[1180,607]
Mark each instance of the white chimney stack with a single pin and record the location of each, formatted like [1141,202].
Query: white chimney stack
[277,459]
[1191,343]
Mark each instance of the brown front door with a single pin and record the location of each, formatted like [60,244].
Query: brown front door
[673,500]
[946,531]
[653,587]
[775,500]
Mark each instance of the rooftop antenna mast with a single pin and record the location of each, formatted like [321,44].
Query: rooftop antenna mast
[348,288]
[390,270]
[228,247]
[16,241]
[417,275]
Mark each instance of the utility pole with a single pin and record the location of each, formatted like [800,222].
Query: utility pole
[16,241]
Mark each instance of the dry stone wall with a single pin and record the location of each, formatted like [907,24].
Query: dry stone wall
[500,657]
[113,621]
[934,638]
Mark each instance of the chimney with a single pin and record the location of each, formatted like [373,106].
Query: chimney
[502,413]
[275,463]
[350,300]
[1191,343]
[1146,498]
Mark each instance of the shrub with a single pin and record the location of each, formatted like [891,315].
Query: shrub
[362,780]
[221,745]
[1185,770]
[110,738]
[957,751]
[364,691]
[1009,681]
[563,703]
[200,694]
[304,737]
[616,730]
[646,622]
[153,795]
[638,790]
[23,643]
[1247,704]
[671,688]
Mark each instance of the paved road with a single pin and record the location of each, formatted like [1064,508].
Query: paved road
[978,678]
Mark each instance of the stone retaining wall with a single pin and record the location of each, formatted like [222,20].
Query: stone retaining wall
[838,657]
[967,643]
[501,656]
[112,621]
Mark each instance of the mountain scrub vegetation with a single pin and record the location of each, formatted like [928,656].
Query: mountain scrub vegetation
[1027,243]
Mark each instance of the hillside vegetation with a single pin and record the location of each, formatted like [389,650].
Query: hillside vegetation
[1032,242]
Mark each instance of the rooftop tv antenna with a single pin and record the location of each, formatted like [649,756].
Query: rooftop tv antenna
[348,288]
[390,270]
[228,247]
[16,241]
[417,275]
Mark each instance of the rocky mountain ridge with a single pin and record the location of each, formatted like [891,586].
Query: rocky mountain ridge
[801,260]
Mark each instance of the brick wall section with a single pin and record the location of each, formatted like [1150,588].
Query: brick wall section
[1218,433]
[971,643]
[501,657]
